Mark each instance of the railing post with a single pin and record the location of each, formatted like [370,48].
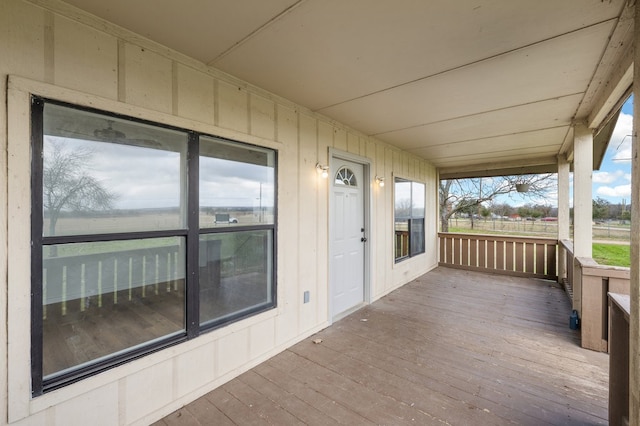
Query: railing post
[619,359]
[562,264]
[592,312]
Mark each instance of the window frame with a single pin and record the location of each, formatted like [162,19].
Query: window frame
[190,232]
[410,219]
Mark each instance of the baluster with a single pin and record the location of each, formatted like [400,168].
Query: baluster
[44,293]
[144,276]
[115,281]
[64,290]
[100,284]
[83,288]
[157,284]
[130,278]
[169,272]
[175,271]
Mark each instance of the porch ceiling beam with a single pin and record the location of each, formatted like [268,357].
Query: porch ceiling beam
[610,86]
[613,97]
[511,168]
[613,76]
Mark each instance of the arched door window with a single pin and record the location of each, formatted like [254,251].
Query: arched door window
[345,176]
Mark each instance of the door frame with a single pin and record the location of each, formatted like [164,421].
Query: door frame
[335,155]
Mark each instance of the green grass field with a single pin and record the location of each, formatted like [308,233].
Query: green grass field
[612,254]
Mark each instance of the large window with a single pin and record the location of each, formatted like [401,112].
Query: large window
[143,236]
[409,218]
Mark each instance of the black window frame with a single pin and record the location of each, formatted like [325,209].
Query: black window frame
[414,223]
[191,232]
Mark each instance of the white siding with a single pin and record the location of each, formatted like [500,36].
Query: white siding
[194,94]
[76,58]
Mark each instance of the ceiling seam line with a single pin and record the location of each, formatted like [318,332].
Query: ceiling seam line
[491,137]
[454,159]
[512,150]
[255,32]
[476,114]
[459,67]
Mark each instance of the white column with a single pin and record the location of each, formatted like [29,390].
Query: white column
[634,320]
[582,189]
[582,204]
[563,212]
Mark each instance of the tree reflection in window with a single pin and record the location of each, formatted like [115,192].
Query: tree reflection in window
[346,177]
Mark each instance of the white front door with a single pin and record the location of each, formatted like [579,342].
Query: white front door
[347,237]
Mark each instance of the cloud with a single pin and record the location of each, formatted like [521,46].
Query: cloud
[620,191]
[622,156]
[607,177]
[621,138]
[142,177]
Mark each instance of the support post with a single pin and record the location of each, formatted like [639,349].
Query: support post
[563,213]
[582,203]
[634,317]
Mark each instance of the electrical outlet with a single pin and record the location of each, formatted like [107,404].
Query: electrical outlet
[306,296]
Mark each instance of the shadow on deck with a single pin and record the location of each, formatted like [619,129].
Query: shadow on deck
[452,347]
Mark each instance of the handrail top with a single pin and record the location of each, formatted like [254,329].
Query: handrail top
[567,243]
[499,237]
[591,267]
[622,301]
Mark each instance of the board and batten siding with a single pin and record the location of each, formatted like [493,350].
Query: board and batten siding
[54,50]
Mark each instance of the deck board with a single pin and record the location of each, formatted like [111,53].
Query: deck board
[452,347]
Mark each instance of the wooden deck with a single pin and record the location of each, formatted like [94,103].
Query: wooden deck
[453,347]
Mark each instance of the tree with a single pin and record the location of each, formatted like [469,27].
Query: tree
[485,212]
[600,208]
[534,211]
[625,215]
[501,209]
[460,195]
[67,184]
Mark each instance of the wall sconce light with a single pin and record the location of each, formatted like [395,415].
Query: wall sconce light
[322,170]
[380,181]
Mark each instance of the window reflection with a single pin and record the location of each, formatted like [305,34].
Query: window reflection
[100,298]
[109,278]
[102,174]
[235,273]
[409,218]
[237,184]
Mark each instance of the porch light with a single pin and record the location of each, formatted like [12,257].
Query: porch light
[522,187]
[322,170]
[380,181]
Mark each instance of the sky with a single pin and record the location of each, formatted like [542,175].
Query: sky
[141,177]
[613,181]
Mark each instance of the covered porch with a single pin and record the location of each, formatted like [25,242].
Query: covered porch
[410,93]
[451,347]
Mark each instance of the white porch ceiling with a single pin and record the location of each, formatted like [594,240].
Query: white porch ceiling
[468,84]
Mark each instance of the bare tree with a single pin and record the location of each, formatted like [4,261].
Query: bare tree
[67,184]
[467,195]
